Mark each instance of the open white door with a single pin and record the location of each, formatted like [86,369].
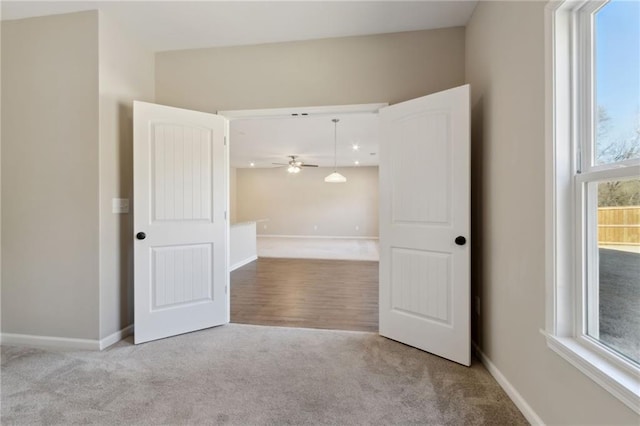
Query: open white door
[180,193]
[424,224]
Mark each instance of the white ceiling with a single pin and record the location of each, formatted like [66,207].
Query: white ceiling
[171,25]
[270,140]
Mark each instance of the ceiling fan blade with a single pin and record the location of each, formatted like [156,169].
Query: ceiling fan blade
[279,164]
[308,165]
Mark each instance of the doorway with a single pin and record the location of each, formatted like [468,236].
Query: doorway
[304,252]
[424,297]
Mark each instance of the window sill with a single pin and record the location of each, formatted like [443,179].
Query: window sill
[621,383]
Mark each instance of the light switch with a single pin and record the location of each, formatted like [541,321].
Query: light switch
[120,205]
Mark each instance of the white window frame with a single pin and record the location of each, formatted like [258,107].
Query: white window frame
[570,119]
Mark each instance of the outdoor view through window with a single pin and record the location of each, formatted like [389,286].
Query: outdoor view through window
[617,140]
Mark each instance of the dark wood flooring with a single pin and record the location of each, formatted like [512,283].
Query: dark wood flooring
[330,294]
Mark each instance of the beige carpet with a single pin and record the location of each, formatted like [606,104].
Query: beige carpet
[318,248]
[250,375]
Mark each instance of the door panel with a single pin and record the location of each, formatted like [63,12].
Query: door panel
[182,172]
[412,267]
[421,136]
[180,201]
[424,206]
[181,275]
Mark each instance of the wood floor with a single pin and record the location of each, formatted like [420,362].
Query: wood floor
[331,294]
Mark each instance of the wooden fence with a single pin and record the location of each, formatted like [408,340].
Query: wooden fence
[619,225]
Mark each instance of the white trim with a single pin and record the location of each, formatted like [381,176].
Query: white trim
[629,171]
[50,342]
[116,337]
[227,236]
[242,263]
[65,342]
[550,168]
[334,237]
[590,317]
[528,412]
[287,112]
[559,170]
[609,375]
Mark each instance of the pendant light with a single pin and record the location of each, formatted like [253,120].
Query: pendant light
[335,177]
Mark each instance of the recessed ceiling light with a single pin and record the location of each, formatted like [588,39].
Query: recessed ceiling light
[356,147]
[252,164]
[356,162]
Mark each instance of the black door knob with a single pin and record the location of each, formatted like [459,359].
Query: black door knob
[141,235]
[461,240]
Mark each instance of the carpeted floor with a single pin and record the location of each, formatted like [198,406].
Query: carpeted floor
[250,375]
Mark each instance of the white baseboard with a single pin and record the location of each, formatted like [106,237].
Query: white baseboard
[515,396]
[317,236]
[116,337]
[242,263]
[50,342]
[64,342]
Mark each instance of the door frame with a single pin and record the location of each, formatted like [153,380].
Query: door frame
[289,111]
[269,113]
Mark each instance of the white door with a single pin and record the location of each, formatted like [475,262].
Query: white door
[424,224]
[180,230]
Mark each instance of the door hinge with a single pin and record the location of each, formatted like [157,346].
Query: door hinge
[225,289]
[225,215]
[225,141]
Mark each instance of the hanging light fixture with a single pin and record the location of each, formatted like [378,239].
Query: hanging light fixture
[335,177]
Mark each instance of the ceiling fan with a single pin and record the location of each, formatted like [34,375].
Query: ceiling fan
[294,165]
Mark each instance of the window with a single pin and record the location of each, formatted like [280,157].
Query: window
[593,187]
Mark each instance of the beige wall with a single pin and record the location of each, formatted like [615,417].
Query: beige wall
[505,67]
[126,74]
[380,68]
[49,176]
[70,257]
[296,204]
